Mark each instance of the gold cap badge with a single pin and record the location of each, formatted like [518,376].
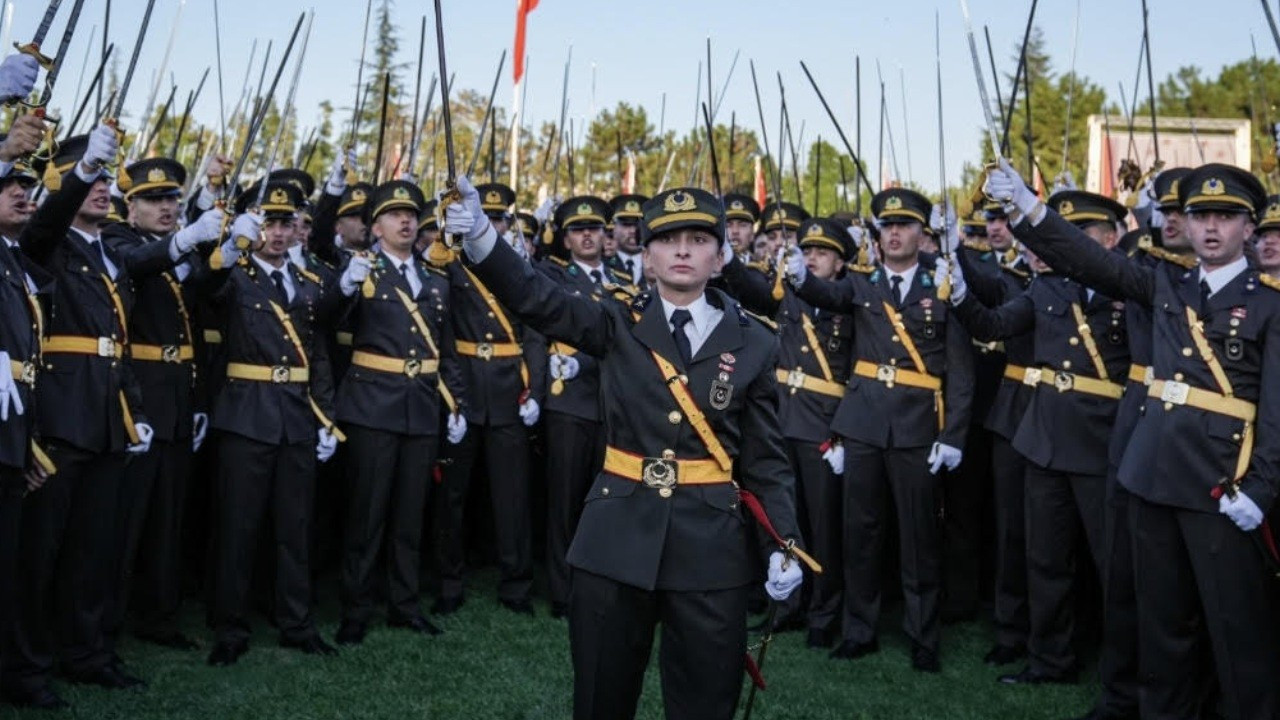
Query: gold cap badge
[1213,186]
[279,197]
[679,201]
[156,175]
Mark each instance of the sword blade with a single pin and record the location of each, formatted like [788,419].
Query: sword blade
[445,116]
[471,165]
[123,92]
[993,135]
[52,76]
[45,22]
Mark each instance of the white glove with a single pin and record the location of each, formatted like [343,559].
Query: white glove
[327,445]
[9,396]
[456,428]
[465,217]
[943,267]
[1064,182]
[199,428]
[248,226]
[336,183]
[564,367]
[795,266]
[1243,511]
[1146,195]
[206,227]
[1156,220]
[726,253]
[529,412]
[943,221]
[357,270]
[856,232]
[782,581]
[145,434]
[544,210]
[835,458]
[17,76]
[943,454]
[103,144]
[1007,186]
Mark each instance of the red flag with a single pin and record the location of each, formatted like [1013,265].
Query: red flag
[1106,184]
[1037,181]
[760,191]
[523,8]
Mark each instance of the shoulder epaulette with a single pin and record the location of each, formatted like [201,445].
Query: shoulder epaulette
[625,291]
[1159,253]
[978,245]
[1015,271]
[744,313]
[559,261]
[309,275]
[623,275]
[433,269]
[639,303]
[762,266]
[320,261]
[1269,281]
[864,269]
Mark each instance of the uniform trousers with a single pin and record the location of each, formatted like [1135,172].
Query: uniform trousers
[575,454]
[1010,614]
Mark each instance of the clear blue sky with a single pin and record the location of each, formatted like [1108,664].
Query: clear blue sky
[640,50]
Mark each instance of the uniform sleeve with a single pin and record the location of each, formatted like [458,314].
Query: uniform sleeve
[1261,481]
[144,259]
[450,366]
[48,227]
[958,387]
[322,229]
[751,287]
[543,304]
[762,459]
[321,372]
[1011,319]
[534,348]
[1070,251]
[988,287]
[834,295]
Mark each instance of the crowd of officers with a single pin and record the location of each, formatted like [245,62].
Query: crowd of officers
[1078,417]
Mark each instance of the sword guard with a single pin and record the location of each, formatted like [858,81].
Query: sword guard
[33,49]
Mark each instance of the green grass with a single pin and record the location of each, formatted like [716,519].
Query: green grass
[491,664]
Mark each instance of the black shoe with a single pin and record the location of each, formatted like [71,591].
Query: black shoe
[1030,676]
[112,677]
[522,606]
[446,605]
[350,632]
[41,698]
[924,660]
[227,653]
[167,638]
[417,624]
[850,650]
[311,645]
[818,638]
[1004,654]
[559,610]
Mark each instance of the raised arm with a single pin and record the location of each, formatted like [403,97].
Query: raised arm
[1070,251]
[751,288]
[999,323]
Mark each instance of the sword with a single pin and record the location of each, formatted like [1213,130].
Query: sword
[993,135]
[51,76]
[33,48]
[275,142]
[451,194]
[484,124]
[857,159]
[84,104]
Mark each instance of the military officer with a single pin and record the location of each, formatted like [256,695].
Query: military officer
[903,420]
[1081,355]
[1268,238]
[662,536]
[497,199]
[1201,464]
[92,418]
[161,355]
[741,213]
[625,213]
[779,222]
[813,370]
[403,379]
[274,412]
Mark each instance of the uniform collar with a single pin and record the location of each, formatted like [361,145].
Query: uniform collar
[1219,278]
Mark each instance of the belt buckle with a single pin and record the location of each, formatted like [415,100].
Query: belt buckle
[279,374]
[659,472]
[795,378]
[169,353]
[1175,392]
[1032,376]
[1064,381]
[887,374]
[28,374]
[484,351]
[412,367]
[106,347]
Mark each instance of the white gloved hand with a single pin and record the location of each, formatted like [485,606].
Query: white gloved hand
[835,458]
[529,412]
[248,226]
[358,269]
[1146,195]
[9,397]
[1064,182]
[944,223]
[564,367]
[782,581]
[327,444]
[456,428]
[465,217]
[18,77]
[336,183]
[795,266]
[726,253]
[206,227]
[1007,186]
[145,433]
[943,454]
[856,232]
[1243,511]
[944,267]
[199,428]
[1157,218]
[545,209]
[102,147]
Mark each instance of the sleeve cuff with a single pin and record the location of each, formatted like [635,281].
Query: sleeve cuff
[477,250]
[88,177]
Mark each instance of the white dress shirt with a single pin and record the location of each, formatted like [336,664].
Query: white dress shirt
[95,245]
[268,268]
[705,318]
[1219,278]
[908,276]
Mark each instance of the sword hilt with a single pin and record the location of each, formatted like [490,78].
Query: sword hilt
[449,197]
[33,49]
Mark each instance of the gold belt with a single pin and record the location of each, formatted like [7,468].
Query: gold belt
[412,367]
[797,379]
[162,353]
[23,372]
[80,345]
[892,375]
[344,338]
[488,350]
[1068,382]
[1016,373]
[1142,374]
[213,337]
[268,373]
[664,472]
[1178,393]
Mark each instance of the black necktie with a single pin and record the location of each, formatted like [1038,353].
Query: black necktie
[596,277]
[277,277]
[896,282]
[631,270]
[102,254]
[680,318]
[1205,292]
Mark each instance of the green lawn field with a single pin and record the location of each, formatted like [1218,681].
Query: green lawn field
[493,665]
